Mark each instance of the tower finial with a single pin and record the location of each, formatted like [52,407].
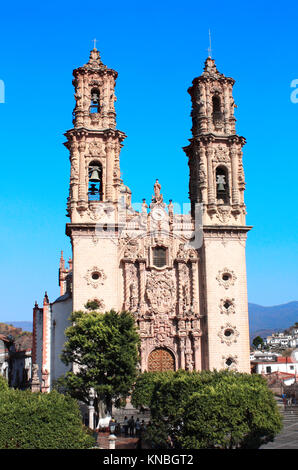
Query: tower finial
[209,48]
[95,41]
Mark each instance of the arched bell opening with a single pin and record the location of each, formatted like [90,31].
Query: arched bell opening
[95,104]
[222,184]
[95,181]
[217,115]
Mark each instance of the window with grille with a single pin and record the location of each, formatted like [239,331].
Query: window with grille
[159,256]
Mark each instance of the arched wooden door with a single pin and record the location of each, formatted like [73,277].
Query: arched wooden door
[160,360]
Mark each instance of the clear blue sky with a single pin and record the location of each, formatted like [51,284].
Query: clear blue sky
[157,47]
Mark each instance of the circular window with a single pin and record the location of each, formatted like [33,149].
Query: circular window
[95,276]
[228,333]
[226,276]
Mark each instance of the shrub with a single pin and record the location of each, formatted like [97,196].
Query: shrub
[40,421]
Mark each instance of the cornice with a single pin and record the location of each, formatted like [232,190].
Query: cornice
[85,131]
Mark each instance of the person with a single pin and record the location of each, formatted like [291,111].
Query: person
[138,428]
[289,401]
[125,425]
[131,424]
[117,428]
[143,427]
[112,425]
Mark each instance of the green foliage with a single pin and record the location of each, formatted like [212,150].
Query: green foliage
[104,346]
[92,305]
[40,421]
[257,341]
[208,409]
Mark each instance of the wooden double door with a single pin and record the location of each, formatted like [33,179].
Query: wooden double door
[161,360]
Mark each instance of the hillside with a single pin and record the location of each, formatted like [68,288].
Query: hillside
[23,339]
[265,320]
[24,325]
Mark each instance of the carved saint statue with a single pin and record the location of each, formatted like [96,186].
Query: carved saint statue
[157,196]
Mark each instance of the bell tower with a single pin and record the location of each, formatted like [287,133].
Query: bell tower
[215,150]
[95,187]
[94,142]
[216,183]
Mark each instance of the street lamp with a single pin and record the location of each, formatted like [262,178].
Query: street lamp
[112,437]
[91,408]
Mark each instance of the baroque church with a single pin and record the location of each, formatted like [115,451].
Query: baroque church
[183,276]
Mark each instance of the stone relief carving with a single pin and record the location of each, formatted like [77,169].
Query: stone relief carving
[131,250]
[95,277]
[227,306]
[221,154]
[228,334]
[223,214]
[96,148]
[161,292]
[226,278]
[230,362]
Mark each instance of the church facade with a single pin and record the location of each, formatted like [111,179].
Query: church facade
[183,276]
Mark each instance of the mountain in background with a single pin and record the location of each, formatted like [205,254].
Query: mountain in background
[263,321]
[22,339]
[24,325]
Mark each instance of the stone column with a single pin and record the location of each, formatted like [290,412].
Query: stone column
[109,171]
[211,198]
[203,173]
[197,351]
[227,109]
[126,285]
[208,110]
[142,285]
[182,350]
[235,188]
[180,291]
[82,175]
[195,285]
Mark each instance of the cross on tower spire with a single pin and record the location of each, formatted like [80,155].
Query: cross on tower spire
[95,41]
[209,48]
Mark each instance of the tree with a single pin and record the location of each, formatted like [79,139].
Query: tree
[40,421]
[258,341]
[208,409]
[103,347]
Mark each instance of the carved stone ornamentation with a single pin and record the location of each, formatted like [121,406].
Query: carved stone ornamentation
[228,334]
[230,362]
[227,306]
[223,214]
[95,277]
[131,250]
[226,278]
[182,254]
[160,292]
[221,155]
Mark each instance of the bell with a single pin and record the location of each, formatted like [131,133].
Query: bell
[221,183]
[95,176]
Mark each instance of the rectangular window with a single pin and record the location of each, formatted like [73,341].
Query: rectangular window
[159,256]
